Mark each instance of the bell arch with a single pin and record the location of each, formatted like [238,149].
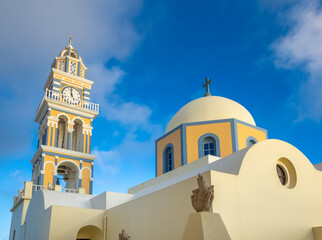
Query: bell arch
[67,174]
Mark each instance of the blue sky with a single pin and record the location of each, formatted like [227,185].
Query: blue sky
[148,59]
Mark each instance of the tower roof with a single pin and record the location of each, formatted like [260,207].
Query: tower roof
[210,108]
[70,50]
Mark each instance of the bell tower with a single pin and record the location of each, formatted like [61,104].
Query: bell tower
[65,116]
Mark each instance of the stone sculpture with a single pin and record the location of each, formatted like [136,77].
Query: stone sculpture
[203,196]
[124,235]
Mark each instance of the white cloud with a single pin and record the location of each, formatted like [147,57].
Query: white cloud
[301,48]
[107,161]
[112,106]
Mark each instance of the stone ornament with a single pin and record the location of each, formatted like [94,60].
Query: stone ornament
[203,196]
[124,235]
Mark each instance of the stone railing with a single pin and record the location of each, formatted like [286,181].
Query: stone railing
[30,188]
[56,96]
[58,188]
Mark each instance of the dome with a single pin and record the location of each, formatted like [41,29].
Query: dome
[208,109]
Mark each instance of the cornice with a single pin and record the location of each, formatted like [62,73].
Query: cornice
[65,74]
[68,152]
[60,151]
[64,107]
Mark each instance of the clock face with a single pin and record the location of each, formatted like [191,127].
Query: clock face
[71,95]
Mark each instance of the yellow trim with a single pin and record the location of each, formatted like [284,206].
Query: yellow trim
[86,179]
[88,137]
[55,113]
[73,160]
[84,144]
[68,79]
[49,170]
[243,132]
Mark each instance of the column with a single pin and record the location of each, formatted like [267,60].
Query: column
[70,129]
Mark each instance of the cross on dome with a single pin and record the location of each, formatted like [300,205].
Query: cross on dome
[206,85]
[70,41]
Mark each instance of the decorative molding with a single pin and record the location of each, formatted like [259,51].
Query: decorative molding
[68,75]
[72,162]
[78,118]
[67,152]
[63,114]
[43,171]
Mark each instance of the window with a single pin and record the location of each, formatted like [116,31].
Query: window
[72,67]
[208,144]
[286,172]
[250,141]
[168,159]
[61,65]
[281,174]
[209,147]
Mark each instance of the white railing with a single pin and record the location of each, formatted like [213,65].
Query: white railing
[39,187]
[69,190]
[66,190]
[56,96]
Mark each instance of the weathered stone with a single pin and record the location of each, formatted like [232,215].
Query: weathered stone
[124,235]
[202,196]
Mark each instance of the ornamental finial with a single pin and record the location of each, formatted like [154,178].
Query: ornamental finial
[206,85]
[70,40]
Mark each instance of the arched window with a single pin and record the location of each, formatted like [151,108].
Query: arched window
[208,144]
[250,141]
[77,136]
[168,158]
[61,138]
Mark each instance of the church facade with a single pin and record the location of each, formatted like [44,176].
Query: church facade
[263,188]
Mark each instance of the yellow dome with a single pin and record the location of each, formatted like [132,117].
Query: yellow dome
[208,109]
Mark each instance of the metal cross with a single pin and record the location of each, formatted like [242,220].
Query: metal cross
[206,85]
[70,40]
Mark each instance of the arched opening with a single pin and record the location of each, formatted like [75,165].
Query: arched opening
[89,233]
[68,175]
[73,54]
[168,158]
[209,146]
[77,136]
[251,141]
[62,133]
